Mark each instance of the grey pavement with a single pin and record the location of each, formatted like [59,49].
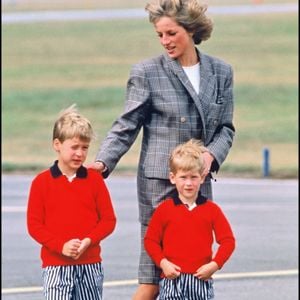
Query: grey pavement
[134,13]
[263,214]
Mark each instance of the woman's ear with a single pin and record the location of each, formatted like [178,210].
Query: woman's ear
[191,34]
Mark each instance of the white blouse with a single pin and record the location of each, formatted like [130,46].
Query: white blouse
[193,73]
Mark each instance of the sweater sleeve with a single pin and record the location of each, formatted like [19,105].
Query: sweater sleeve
[36,217]
[224,237]
[106,214]
[154,235]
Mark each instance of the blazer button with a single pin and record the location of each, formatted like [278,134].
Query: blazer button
[215,122]
[182,119]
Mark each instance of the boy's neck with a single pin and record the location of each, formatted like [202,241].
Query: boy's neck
[70,177]
[190,206]
[67,172]
[188,202]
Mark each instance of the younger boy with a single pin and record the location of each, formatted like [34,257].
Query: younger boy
[181,232]
[69,213]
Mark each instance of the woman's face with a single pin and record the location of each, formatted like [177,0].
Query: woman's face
[174,38]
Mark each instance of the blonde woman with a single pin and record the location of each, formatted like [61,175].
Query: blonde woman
[181,94]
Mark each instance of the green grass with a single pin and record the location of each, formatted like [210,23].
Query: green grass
[47,67]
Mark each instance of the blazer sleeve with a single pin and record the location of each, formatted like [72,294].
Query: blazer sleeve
[125,129]
[221,139]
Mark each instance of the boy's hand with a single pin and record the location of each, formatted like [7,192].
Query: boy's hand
[71,247]
[206,271]
[170,270]
[83,246]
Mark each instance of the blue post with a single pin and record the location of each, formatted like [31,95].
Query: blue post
[266,165]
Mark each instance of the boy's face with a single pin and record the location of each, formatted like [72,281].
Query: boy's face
[187,184]
[71,154]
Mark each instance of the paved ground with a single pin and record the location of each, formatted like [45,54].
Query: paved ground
[100,14]
[263,213]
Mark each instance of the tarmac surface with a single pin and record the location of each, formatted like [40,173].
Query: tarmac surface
[264,218]
[137,13]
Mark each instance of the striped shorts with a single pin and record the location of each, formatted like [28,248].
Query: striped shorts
[186,287]
[75,282]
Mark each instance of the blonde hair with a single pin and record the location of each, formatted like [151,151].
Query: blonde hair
[188,156]
[71,124]
[190,14]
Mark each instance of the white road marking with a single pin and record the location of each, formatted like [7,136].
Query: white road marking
[14,209]
[116,283]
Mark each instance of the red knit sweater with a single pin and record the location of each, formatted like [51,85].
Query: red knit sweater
[59,210]
[186,237]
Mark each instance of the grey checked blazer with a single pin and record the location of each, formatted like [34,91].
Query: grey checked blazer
[161,100]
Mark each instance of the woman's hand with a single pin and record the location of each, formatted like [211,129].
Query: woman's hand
[98,166]
[208,159]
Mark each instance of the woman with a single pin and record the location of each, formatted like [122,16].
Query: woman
[179,95]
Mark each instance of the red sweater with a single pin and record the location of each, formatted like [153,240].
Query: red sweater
[186,237]
[59,210]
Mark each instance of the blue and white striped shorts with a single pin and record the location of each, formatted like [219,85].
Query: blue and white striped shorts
[77,282]
[186,287]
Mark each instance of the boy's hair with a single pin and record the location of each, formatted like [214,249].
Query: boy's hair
[188,156]
[71,124]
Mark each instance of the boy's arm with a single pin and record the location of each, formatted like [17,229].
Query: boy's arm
[153,242]
[169,269]
[224,237]
[107,218]
[153,238]
[36,219]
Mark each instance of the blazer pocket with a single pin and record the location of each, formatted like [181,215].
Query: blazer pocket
[156,165]
[214,114]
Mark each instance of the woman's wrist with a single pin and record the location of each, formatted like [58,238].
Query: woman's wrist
[101,166]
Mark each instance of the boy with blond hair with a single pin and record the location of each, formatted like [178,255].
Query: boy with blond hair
[182,229]
[69,213]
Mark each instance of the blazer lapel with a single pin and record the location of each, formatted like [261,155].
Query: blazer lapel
[207,84]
